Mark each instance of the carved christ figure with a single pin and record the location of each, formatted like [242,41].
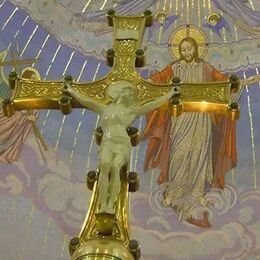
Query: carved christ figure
[115,146]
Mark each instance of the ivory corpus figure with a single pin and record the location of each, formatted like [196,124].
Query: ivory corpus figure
[115,146]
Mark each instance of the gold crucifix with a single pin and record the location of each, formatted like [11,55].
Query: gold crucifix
[104,237]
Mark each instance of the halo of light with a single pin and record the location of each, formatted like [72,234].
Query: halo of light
[158,15]
[188,31]
[114,89]
[213,17]
[31,69]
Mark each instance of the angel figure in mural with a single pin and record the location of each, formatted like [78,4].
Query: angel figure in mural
[161,21]
[216,22]
[194,149]
[115,146]
[14,130]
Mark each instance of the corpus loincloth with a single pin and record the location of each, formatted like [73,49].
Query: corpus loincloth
[117,145]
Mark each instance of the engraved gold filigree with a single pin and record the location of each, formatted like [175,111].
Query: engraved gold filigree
[96,90]
[189,92]
[41,89]
[218,93]
[204,93]
[126,46]
[125,69]
[131,24]
[150,92]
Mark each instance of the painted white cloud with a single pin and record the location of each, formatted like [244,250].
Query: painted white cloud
[231,57]
[231,241]
[62,196]
[234,235]
[245,215]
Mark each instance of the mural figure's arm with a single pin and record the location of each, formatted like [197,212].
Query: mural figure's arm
[163,76]
[249,81]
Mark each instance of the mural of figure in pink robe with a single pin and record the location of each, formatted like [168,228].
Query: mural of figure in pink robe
[14,130]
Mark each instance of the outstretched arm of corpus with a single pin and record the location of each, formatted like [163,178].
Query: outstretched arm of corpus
[85,100]
[144,109]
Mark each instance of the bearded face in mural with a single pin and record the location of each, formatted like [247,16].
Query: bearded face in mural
[188,50]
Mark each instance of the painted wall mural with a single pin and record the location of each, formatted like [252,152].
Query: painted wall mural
[43,198]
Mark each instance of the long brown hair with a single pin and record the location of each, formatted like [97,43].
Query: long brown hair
[195,44]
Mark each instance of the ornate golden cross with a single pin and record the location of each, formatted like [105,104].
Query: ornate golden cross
[105,236]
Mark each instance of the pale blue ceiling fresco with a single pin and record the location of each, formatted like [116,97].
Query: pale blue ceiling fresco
[43,198]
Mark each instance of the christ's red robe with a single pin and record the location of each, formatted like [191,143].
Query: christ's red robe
[158,131]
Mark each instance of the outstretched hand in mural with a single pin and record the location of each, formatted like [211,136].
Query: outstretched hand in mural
[250,80]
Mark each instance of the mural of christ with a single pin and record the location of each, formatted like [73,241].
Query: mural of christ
[195,149]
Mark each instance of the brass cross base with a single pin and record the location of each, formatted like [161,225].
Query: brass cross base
[102,249]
